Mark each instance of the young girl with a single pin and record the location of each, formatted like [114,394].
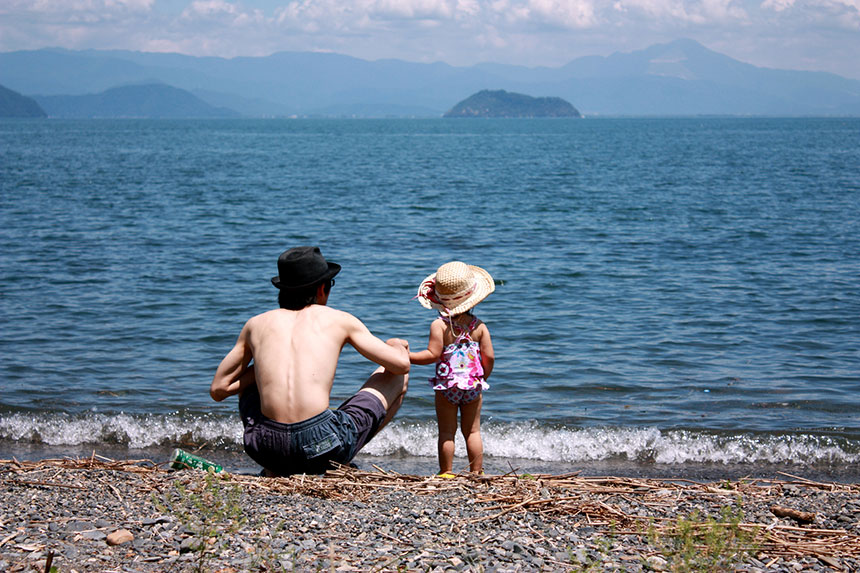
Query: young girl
[460,346]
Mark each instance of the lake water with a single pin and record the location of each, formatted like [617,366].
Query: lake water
[674,296]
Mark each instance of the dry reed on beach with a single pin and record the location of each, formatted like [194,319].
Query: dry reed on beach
[586,497]
[620,520]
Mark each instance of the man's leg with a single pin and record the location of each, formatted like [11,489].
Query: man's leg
[389,388]
[374,405]
[249,411]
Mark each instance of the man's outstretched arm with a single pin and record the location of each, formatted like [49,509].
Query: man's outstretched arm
[393,354]
[234,374]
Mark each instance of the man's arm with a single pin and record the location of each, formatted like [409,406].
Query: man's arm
[234,374]
[393,354]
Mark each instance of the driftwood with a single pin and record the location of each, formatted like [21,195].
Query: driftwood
[796,515]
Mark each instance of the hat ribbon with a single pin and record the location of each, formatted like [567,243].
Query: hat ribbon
[452,301]
[428,291]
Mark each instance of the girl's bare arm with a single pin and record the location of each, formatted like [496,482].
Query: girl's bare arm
[434,345]
[488,357]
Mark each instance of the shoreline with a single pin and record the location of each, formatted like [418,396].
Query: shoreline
[70,510]
[235,460]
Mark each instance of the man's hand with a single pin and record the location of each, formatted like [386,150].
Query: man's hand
[398,342]
[402,347]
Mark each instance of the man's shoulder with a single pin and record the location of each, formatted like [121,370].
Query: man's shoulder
[316,311]
[321,312]
[335,324]
[256,321]
[331,313]
[268,315]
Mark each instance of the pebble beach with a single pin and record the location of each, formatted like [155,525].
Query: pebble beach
[98,514]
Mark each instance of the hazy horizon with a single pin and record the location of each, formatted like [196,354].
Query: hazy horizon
[811,35]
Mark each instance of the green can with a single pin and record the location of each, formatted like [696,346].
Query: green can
[182,460]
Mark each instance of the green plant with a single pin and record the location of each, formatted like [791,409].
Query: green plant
[584,561]
[210,511]
[695,544]
[265,557]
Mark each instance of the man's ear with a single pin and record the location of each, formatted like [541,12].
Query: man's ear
[321,295]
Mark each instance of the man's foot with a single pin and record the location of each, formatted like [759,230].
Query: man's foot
[446,475]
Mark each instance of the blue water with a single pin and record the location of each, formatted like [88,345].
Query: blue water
[670,292]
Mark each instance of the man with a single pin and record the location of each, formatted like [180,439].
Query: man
[284,394]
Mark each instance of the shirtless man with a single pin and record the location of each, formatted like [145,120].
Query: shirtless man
[284,393]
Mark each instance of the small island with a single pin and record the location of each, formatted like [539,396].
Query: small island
[499,103]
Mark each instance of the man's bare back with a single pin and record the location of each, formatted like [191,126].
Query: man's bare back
[295,356]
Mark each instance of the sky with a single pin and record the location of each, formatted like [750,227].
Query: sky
[818,35]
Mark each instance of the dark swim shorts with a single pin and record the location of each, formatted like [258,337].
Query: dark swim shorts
[309,446]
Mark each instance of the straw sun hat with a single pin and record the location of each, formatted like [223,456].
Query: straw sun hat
[455,288]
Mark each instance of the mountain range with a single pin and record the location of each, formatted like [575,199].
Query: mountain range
[678,78]
[152,100]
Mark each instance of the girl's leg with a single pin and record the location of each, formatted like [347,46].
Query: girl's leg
[446,418]
[470,424]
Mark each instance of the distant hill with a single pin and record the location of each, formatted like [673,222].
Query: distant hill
[138,101]
[500,103]
[677,78]
[13,104]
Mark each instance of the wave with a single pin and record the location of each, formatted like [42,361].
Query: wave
[528,441]
[532,441]
[133,431]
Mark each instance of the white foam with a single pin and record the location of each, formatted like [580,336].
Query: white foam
[133,431]
[402,438]
[647,445]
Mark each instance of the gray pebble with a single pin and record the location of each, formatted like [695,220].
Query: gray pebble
[95,535]
[386,531]
[189,544]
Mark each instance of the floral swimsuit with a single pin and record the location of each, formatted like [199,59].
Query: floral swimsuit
[459,374]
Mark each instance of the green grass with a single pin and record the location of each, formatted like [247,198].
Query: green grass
[210,511]
[694,543]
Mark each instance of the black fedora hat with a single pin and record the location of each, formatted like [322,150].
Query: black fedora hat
[301,267]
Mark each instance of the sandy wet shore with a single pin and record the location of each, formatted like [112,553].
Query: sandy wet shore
[95,514]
